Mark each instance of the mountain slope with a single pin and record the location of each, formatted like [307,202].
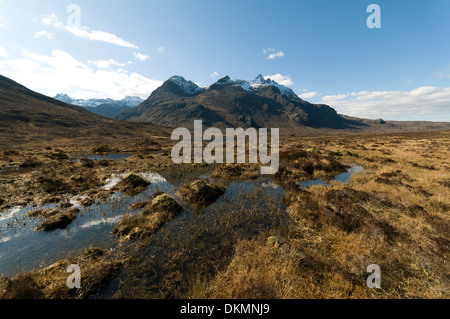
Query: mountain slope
[27,116]
[233,103]
[104,107]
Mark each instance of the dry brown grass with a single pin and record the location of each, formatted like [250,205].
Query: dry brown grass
[394,215]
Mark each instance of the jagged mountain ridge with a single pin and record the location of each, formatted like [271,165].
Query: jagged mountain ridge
[232,103]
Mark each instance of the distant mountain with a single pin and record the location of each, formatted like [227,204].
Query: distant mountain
[104,107]
[232,103]
[27,116]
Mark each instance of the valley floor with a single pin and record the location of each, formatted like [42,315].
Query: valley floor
[290,242]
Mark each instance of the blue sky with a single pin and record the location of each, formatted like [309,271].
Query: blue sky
[323,50]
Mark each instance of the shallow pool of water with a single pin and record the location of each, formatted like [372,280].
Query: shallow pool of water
[114,157]
[23,249]
[97,157]
[341,178]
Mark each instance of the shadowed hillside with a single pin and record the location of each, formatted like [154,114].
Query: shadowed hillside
[27,116]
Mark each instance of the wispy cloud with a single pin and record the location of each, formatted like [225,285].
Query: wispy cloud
[268,50]
[49,74]
[43,34]
[104,64]
[331,98]
[285,80]
[308,95]
[3,53]
[214,74]
[273,56]
[140,56]
[161,49]
[86,33]
[423,103]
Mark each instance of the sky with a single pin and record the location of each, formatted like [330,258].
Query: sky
[322,49]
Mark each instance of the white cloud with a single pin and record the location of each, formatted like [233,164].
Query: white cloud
[3,53]
[86,33]
[308,95]
[276,55]
[328,98]
[140,56]
[281,79]
[214,74]
[273,55]
[161,49]
[51,19]
[423,103]
[43,34]
[104,64]
[59,72]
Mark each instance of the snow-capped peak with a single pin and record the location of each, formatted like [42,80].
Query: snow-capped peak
[63,98]
[258,82]
[129,101]
[188,87]
[132,101]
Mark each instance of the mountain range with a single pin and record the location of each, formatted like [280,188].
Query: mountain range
[103,107]
[27,116]
[233,103]
[260,102]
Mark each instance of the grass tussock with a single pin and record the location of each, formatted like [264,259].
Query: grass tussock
[235,171]
[132,184]
[162,209]
[54,218]
[201,192]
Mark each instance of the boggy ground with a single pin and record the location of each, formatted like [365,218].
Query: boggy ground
[395,215]
[41,175]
